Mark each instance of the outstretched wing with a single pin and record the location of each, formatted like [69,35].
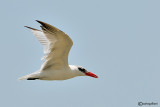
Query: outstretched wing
[42,39]
[56,44]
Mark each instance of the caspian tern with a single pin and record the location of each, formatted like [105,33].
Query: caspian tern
[56,45]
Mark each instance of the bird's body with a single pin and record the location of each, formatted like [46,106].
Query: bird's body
[56,45]
[53,74]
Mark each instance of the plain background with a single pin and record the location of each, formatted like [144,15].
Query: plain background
[119,40]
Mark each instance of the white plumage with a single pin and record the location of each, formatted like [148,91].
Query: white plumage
[56,45]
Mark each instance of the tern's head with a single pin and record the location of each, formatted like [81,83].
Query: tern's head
[87,73]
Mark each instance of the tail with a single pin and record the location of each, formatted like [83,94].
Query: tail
[33,76]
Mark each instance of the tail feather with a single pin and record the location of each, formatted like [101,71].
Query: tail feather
[24,77]
[33,76]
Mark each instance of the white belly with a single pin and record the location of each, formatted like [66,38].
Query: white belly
[56,75]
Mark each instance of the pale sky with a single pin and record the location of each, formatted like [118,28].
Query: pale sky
[119,40]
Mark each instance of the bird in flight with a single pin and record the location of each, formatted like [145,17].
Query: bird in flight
[56,45]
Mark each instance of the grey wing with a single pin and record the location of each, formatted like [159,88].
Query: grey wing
[59,47]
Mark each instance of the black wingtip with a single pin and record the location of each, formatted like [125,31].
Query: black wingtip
[31,28]
[26,26]
[43,24]
[39,21]
[47,26]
